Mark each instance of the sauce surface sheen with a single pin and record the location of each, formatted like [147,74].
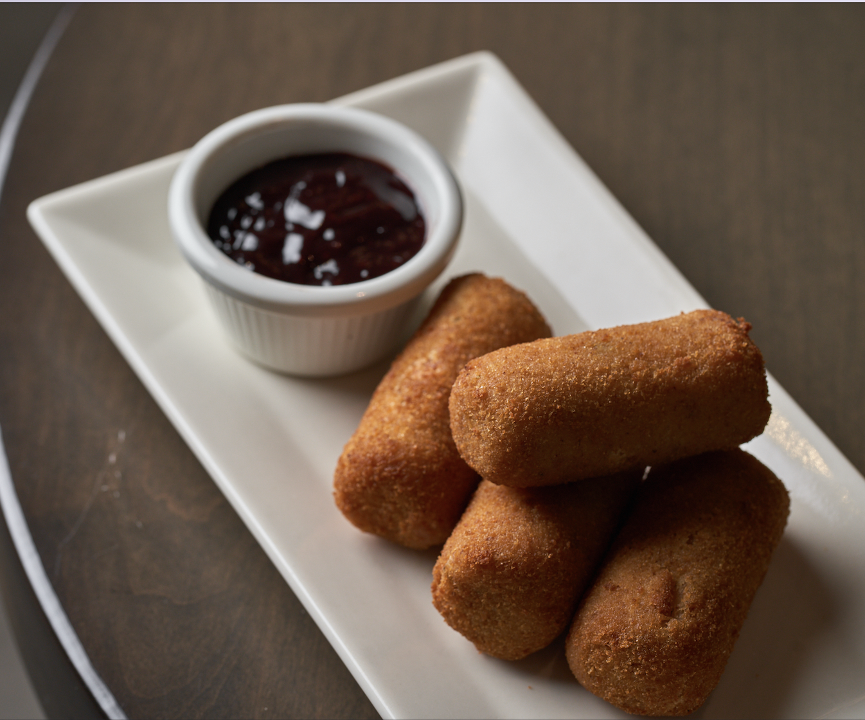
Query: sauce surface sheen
[324,219]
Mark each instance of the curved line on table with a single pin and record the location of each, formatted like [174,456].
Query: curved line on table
[9,130]
[12,511]
[26,549]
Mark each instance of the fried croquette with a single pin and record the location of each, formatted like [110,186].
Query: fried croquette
[597,403]
[400,475]
[653,633]
[511,573]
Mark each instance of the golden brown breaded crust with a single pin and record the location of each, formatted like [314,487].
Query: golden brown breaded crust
[654,632]
[510,575]
[601,402]
[400,475]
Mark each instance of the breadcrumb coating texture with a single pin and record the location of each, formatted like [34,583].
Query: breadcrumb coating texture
[655,630]
[602,402]
[510,575]
[400,475]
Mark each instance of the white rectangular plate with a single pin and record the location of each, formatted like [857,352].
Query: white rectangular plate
[538,217]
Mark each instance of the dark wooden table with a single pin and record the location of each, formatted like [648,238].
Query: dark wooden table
[733,135]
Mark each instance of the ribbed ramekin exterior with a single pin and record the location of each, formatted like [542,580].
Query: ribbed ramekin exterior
[311,347]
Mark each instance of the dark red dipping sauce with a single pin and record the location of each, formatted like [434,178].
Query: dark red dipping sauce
[328,219]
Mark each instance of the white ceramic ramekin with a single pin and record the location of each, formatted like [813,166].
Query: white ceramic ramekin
[303,329]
